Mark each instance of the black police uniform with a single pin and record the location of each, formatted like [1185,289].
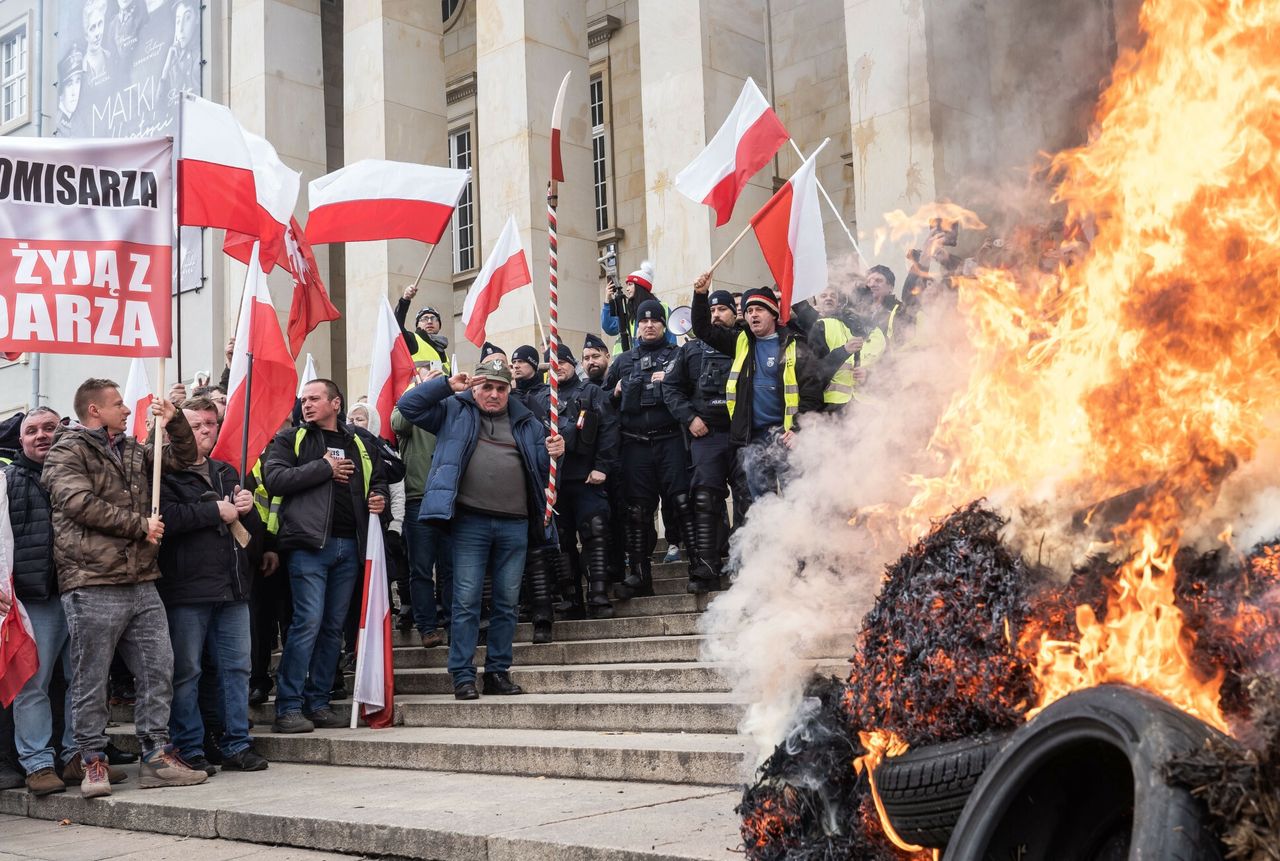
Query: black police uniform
[589,425]
[654,460]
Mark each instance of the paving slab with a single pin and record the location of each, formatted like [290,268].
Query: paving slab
[428,815]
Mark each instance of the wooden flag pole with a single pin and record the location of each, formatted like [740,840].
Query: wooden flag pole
[732,245]
[157,444]
[423,270]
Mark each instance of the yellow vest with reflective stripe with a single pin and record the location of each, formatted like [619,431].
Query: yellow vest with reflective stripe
[790,387]
[269,506]
[843,387]
[428,353]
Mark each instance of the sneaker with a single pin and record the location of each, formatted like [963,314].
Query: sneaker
[199,762]
[45,781]
[246,760]
[325,718]
[163,767]
[293,722]
[73,772]
[96,782]
[673,554]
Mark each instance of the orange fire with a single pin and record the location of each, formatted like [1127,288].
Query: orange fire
[1152,359]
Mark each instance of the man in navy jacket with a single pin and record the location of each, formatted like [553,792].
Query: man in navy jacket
[488,485]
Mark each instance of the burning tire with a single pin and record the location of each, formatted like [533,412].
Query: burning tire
[1083,781]
[925,789]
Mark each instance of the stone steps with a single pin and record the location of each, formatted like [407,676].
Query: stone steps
[633,678]
[687,758]
[676,624]
[430,815]
[610,651]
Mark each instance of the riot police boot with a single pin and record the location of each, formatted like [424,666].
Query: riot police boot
[684,513]
[595,551]
[704,568]
[639,581]
[539,575]
[569,588]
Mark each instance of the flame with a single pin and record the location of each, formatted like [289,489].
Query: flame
[879,744]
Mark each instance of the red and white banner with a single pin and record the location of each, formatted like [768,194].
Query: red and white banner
[138,397]
[789,230]
[86,246]
[19,658]
[749,137]
[374,199]
[274,376]
[375,691]
[390,369]
[505,269]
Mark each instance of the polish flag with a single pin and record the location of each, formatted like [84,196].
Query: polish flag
[390,369]
[308,373]
[374,199]
[375,693]
[505,270]
[749,137]
[277,193]
[274,376]
[19,658]
[216,185]
[138,395]
[789,230]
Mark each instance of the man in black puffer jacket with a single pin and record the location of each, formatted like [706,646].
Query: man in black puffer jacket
[205,587]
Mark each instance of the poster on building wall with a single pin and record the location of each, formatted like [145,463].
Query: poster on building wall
[122,66]
[86,245]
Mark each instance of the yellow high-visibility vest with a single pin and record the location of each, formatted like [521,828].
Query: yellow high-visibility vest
[843,387]
[269,506]
[427,353]
[790,387]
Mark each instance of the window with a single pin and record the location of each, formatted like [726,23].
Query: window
[599,150]
[13,76]
[464,230]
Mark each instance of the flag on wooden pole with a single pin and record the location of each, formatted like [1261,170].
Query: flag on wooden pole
[789,230]
[373,697]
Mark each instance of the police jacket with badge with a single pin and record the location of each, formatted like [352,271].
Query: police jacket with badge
[642,411]
[200,560]
[589,426]
[31,517]
[694,385]
[297,472]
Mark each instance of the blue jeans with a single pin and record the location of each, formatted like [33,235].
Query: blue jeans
[223,629]
[32,714]
[429,548]
[482,543]
[321,582]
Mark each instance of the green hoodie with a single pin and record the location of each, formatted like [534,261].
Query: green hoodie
[416,449]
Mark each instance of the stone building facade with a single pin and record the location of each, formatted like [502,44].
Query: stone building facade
[921,99]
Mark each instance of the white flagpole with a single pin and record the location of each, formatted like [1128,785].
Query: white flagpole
[862,261]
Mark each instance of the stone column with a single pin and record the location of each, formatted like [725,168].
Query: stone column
[393,95]
[694,57]
[523,49]
[276,89]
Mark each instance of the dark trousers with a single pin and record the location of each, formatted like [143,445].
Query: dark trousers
[654,468]
[270,614]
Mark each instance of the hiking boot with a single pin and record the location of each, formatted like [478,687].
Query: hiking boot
[96,782]
[325,718]
[45,781]
[293,722]
[246,760]
[163,767]
[73,772]
[200,763]
[431,639]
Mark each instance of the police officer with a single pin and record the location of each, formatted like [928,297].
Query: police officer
[654,461]
[425,343]
[694,391]
[595,367]
[589,426]
[530,389]
[595,359]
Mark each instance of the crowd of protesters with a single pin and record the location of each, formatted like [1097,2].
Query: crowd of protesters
[180,614]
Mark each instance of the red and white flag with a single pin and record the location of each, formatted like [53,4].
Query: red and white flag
[308,373]
[789,230]
[274,376]
[375,693]
[19,658]
[374,199]
[216,185]
[138,395]
[390,369]
[749,137]
[277,193]
[506,269]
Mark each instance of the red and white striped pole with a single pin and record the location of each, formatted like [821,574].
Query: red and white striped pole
[553,285]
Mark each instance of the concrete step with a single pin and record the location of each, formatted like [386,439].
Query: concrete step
[670,677]
[627,627]
[660,605]
[615,651]
[701,758]
[412,814]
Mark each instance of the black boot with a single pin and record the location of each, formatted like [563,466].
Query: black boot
[595,551]
[538,574]
[704,563]
[684,512]
[640,544]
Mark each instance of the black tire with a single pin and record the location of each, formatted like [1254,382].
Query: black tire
[925,789]
[1084,781]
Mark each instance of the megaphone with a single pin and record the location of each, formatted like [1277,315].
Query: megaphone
[680,320]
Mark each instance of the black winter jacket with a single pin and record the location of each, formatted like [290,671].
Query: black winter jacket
[641,408]
[594,446]
[695,385]
[32,519]
[200,561]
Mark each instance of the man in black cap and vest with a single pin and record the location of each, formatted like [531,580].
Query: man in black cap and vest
[694,390]
[773,378]
[425,343]
[595,367]
[654,460]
